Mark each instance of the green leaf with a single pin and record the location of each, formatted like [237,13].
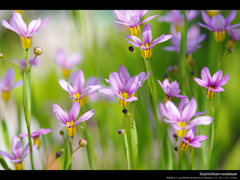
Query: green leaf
[6,134]
[3,163]
[27,96]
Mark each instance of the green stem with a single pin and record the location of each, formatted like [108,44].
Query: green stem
[191,158]
[44,168]
[212,132]
[134,139]
[126,145]
[179,154]
[224,56]
[27,103]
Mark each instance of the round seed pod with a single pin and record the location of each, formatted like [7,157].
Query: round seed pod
[38,51]
[82,143]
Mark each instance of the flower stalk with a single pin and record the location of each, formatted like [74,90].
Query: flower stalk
[126,145]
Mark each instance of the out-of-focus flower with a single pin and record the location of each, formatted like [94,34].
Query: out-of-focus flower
[122,89]
[212,13]
[23,62]
[177,19]
[170,89]
[69,120]
[213,84]
[131,18]
[6,84]
[193,40]
[234,35]
[192,140]
[67,63]
[91,81]
[146,46]
[17,25]
[35,135]
[179,120]
[16,150]
[78,92]
[218,24]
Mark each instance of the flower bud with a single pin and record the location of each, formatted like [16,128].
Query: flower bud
[175,136]
[131,48]
[61,132]
[175,148]
[169,69]
[38,51]
[121,131]
[175,68]
[82,143]
[1,56]
[165,76]
[58,154]
[62,150]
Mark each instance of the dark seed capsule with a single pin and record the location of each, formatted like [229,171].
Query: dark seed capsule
[192,72]
[124,111]
[165,76]
[121,131]
[58,154]
[175,136]
[61,132]
[131,48]
[175,148]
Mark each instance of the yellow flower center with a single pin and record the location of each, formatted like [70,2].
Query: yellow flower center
[167,99]
[230,44]
[135,31]
[122,102]
[81,101]
[210,94]
[66,72]
[37,141]
[188,59]
[184,146]
[212,12]
[183,132]
[26,42]
[6,95]
[178,27]
[19,166]
[219,35]
[71,131]
[148,52]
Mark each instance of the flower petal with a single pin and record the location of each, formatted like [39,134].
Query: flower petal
[201,82]
[160,39]
[89,90]
[115,82]
[16,148]
[73,113]
[73,60]
[16,84]
[230,17]
[173,113]
[79,81]
[84,117]
[60,114]
[6,155]
[223,81]
[202,120]
[63,84]
[189,110]
[147,34]
[60,58]
[137,42]
[125,75]
[147,19]
[205,75]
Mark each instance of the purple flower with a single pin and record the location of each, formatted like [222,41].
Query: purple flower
[177,19]
[69,120]
[23,62]
[124,87]
[67,63]
[131,18]
[212,13]
[17,25]
[193,40]
[170,90]
[146,46]
[213,84]
[234,35]
[192,140]
[16,150]
[218,24]
[6,84]
[78,92]
[92,97]
[180,118]
[35,135]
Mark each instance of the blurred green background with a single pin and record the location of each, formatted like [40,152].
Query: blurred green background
[102,43]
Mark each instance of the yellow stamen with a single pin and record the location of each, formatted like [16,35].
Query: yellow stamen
[19,166]
[135,31]
[210,94]
[71,131]
[26,42]
[6,95]
[148,52]
[66,72]
[184,146]
[219,35]
[37,141]
[122,102]
[81,101]
[183,132]
[167,99]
